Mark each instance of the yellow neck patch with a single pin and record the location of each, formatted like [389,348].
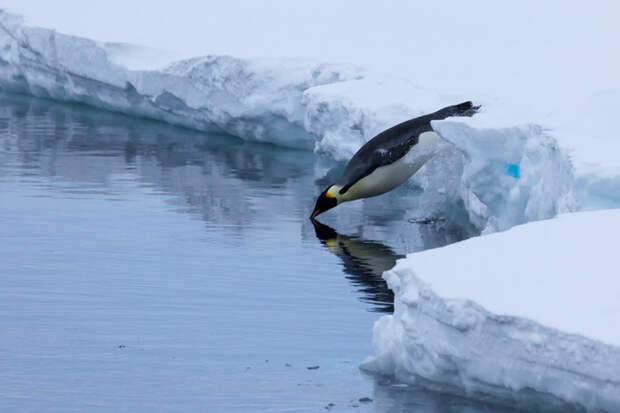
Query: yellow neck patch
[330,192]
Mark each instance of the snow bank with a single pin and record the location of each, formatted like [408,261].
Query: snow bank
[532,308]
[256,100]
[332,108]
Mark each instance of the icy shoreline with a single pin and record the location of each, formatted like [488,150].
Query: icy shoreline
[504,175]
[530,308]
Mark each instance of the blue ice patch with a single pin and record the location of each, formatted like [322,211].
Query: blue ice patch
[512,169]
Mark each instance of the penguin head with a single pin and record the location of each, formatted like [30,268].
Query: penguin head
[326,201]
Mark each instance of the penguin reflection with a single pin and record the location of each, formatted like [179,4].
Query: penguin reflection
[364,262]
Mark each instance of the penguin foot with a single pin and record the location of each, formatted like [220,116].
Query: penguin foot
[467,109]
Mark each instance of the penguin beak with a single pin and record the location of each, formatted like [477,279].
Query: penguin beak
[323,203]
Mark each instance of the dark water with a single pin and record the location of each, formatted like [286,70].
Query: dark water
[150,268]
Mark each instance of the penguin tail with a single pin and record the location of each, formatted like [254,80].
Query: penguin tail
[462,109]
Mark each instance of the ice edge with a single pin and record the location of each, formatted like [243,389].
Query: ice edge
[460,347]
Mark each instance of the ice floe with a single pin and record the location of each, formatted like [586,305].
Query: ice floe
[534,308]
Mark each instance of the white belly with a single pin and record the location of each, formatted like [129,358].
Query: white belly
[385,178]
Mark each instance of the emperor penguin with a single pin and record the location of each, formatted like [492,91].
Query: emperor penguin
[389,159]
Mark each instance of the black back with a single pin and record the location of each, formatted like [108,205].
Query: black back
[394,143]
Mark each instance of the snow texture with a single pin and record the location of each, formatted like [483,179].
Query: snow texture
[504,175]
[534,307]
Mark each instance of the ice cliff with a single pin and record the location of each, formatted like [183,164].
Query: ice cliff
[503,175]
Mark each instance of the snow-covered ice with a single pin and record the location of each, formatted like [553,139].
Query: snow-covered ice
[535,307]
[333,108]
